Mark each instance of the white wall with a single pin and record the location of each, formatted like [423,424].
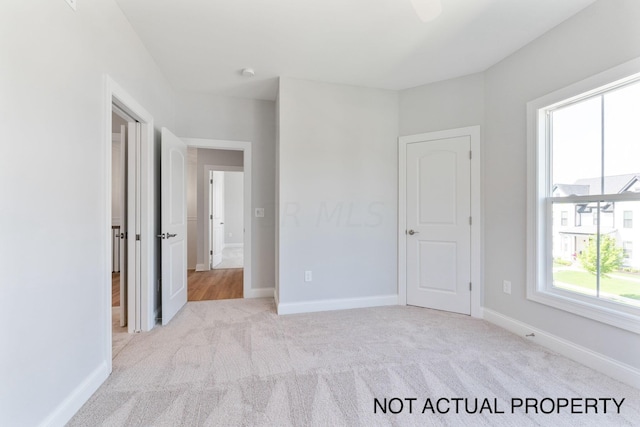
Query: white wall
[337,156]
[233,208]
[116,169]
[600,37]
[53,181]
[449,104]
[116,182]
[205,116]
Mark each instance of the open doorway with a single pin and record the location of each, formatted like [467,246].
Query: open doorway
[140,294]
[216,211]
[119,230]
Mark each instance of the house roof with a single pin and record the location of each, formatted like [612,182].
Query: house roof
[613,184]
[571,189]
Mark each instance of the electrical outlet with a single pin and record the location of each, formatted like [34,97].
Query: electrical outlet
[308,276]
[259,212]
[506,287]
[72,3]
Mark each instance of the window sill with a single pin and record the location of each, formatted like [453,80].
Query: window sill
[588,307]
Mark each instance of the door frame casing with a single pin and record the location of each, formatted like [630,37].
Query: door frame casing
[476,210]
[115,94]
[245,147]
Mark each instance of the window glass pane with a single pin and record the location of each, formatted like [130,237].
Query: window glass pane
[576,246]
[576,149]
[617,282]
[622,139]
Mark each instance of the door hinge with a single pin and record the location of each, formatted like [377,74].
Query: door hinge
[210,181]
[470,221]
[137,237]
[210,216]
[470,155]
[210,252]
[470,286]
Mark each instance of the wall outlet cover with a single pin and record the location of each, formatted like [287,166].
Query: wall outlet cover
[506,286]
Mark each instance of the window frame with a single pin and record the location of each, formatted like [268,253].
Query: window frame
[539,286]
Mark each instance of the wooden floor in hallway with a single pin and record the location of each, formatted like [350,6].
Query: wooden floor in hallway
[215,284]
[201,285]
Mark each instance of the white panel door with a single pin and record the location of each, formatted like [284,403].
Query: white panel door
[438,224]
[123,226]
[174,225]
[134,270]
[217,217]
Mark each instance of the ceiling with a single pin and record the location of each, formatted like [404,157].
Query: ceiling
[201,45]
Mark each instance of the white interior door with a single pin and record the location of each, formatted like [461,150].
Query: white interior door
[134,269]
[123,226]
[174,225]
[217,217]
[438,209]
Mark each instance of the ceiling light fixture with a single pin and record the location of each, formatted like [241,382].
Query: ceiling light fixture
[427,10]
[248,72]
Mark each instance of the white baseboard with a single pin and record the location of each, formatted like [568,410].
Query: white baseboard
[78,397]
[335,304]
[260,293]
[200,267]
[605,364]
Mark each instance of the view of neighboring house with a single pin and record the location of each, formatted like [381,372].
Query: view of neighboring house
[575,223]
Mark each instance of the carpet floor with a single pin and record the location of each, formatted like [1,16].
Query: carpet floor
[236,363]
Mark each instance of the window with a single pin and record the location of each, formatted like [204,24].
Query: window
[627,249]
[564,218]
[628,219]
[583,153]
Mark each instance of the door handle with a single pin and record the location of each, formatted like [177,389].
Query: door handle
[412,232]
[169,235]
[160,235]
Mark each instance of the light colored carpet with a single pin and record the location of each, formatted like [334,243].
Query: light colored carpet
[231,258]
[236,363]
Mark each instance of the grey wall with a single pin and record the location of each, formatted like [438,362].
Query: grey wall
[52,157]
[209,157]
[204,116]
[233,207]
[116,169]
[444,105]
[337,190]
[600,37]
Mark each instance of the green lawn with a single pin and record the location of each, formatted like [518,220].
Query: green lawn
[625,288]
